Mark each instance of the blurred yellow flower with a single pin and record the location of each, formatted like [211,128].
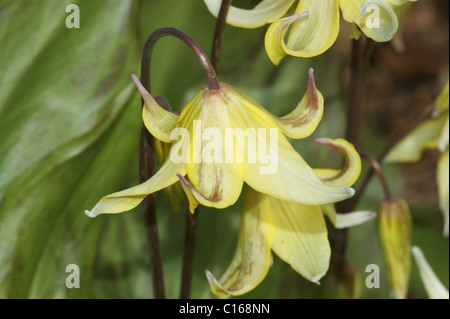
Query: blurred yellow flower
[431,134]
[433,286]
[297,233]
[314,26]
[223,138]
[394,229]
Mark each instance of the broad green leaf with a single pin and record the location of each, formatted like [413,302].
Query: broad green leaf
[62,122]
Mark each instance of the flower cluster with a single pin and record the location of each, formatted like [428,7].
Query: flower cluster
[314,26]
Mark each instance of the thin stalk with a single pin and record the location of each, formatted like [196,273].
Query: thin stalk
[360,53]
[213,81]
[377,169]
[188,253]
[217,40]
[146,170]
[396,138]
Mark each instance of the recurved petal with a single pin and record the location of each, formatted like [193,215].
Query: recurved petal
[433,286]
[278,170]
[426,135]
[253,257]
[128,199]
[443,187]
[376,18]
[265,12]
[352,167]
[274,39]
[340,221]
[317,32]
[157,120]
[300,123]
[303,120]
[300,238]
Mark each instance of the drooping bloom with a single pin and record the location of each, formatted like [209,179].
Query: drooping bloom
[431,134]
[313,34]
[433,286]
[296,232]
[223,138]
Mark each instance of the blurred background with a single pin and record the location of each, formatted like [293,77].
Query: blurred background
[69,133]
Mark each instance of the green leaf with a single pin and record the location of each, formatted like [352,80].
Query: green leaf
[62,121]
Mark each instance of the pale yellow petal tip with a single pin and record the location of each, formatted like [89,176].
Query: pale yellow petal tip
[91,213]
[316,278]
[217,291]
[350,190]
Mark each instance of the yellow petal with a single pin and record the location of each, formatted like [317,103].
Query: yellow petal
[276,168]
[426,135]
[214,179]
[433,286]
[128,199]
[299,123]
[317,32]
[443,187]
[274,39]
[375,18]
[340,221]
[352,168]
[253,257]
[300,238]
[290,178]
[157,120]
[303,120]
[265,12]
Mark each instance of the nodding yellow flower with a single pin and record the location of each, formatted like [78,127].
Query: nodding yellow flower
[223,138]
[314,24]
[296,232]
[431,134]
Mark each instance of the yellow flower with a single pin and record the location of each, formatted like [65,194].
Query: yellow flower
[223,138]
[431,134]
[297,233]
[315,33]
[433,286]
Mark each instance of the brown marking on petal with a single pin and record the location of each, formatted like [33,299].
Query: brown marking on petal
[217,193]
[304,116]
[237,286]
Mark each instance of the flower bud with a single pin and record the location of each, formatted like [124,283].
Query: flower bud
[394,228]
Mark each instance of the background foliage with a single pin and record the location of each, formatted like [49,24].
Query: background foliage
[69,133]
